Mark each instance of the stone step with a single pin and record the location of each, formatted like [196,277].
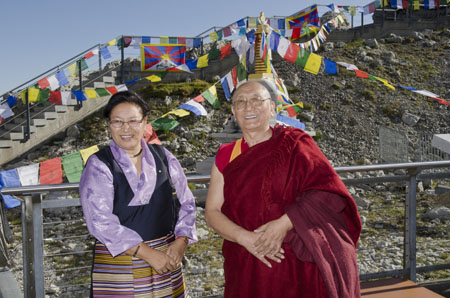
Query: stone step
[61,109]
[46,115]
[33,122]
[99,85]
[13,136]
[114,74]
[18,128]
[6,143]
[110,80]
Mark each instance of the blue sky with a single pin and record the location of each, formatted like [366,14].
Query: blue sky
[37,35]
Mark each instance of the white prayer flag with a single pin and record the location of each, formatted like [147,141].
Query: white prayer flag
[283,46]
[347,65]
[230,81]
[66,98]
[53,81]
[29,175]
[122,87]
[5,111]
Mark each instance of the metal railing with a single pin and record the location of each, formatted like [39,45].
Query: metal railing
[33,205]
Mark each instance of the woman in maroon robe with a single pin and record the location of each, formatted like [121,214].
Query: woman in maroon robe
[289,224]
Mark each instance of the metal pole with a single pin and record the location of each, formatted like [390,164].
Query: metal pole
[26,133]
[352,21]
[122,61]
[362,24]
[33,256]
[80,78]
[410,226]
[382,19]
[99,60]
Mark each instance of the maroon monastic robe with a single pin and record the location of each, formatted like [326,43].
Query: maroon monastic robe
[277,177]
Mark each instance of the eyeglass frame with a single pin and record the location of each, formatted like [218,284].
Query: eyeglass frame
[255,102]
[122,123]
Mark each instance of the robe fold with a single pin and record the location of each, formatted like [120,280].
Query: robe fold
[276,177]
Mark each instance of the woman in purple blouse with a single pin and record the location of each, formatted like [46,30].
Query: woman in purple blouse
[126,193]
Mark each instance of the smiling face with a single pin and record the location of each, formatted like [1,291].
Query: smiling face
[252,117]
[127,137]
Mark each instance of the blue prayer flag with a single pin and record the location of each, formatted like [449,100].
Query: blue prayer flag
[225,87]
[251,36]
[241,23]
[290,121]
[11,100]
[243,31]
[146,39]
[408,88]
[192,64]
[330,66]
[105,53]
[9,178]
[61,77]
[79,95]
[197,42]
[132,81]
[281,23]
[274,41]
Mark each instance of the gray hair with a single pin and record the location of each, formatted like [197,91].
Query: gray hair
[268,84]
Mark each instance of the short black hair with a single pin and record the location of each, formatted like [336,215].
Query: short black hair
[128,97]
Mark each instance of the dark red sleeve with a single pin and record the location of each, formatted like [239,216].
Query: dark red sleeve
[223,156]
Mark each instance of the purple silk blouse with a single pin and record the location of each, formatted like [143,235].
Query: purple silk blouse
[97,197]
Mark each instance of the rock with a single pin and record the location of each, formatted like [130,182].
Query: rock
[418,36]
[328,46]
[168,100]
[372,43]
[73,131]
[393,38]
[410,119]
[429,43]
[364,203]
[307,116]
[441,212]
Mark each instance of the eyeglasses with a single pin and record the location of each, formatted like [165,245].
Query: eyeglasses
[120,123]
[255,102]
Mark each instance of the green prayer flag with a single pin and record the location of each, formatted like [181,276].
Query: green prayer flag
[241,72]
[220,34]
[211,96]
[101,92]
[302,57]
[371,77]
[173,40]
[84,65]
[73,166]
[214,54]
[165,123]
[43,96]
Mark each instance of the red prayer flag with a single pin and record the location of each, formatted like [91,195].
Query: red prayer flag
[361,74]
[2,120]
[43,83]
[292,53]
[296,32]
[150,135]
[234,76]
[55,97]
[199,98]
[89,55]
[405,4]
[225,51]
[51,171]
[182,40]
[226,31]
[112,90]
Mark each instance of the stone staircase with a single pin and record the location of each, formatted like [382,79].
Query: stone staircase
[49,119]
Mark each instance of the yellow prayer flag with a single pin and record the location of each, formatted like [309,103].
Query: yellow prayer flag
[73,68]
[153,78]
[112,42]
[385,83]
[416,5]
[252,23]
[85,153]
[164,39]
[22,95]
[179,113]
[313,63]
[90,93]
[33,94]
[213,90]
[341,20]
[213,36]
[202,61]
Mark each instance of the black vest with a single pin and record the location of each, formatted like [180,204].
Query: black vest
[155,219]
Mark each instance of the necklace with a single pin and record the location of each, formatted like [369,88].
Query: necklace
[137,154]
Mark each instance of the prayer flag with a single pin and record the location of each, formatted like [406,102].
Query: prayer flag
[132,81]
[146,39]
[73,166]
[243,31]
[292,53]
[241,72]
[226,31]
[302,57]
[251,36]
[89,55]
[112,89]
[90,93]
[29,175]
[234,76]
[105,53]
[202,61]
[211,96]
[85,153]
[240,45]
[330,66]
[225,50]
[111,42]
[197,42]
[9,178]
[290,121]
[199,98]
[181,40]
[53,82]
[61,77]
[162,57]
[309,15]
[154,78]
[173,40]
[385,83]
[274,41]
[292,109]
[66,98]
[252,22]
[429,4]
[33,94]
[165,123]
[347,65]
[213,36]
[101,92]
[240,23]
[11,100]
[193,106]
[361,74]
[5,111]
[55,97]
[192,64]
[51,171]
[164,40]
[43,83]
[150,135]
[121,87]
[73,68]
[23,95]
[213,54]
[83,64]
[313,63]
[283,46]
[225,87]
[43,96]
[230,81]
[177,112]
[416,5]
[396,4]
[79,95]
